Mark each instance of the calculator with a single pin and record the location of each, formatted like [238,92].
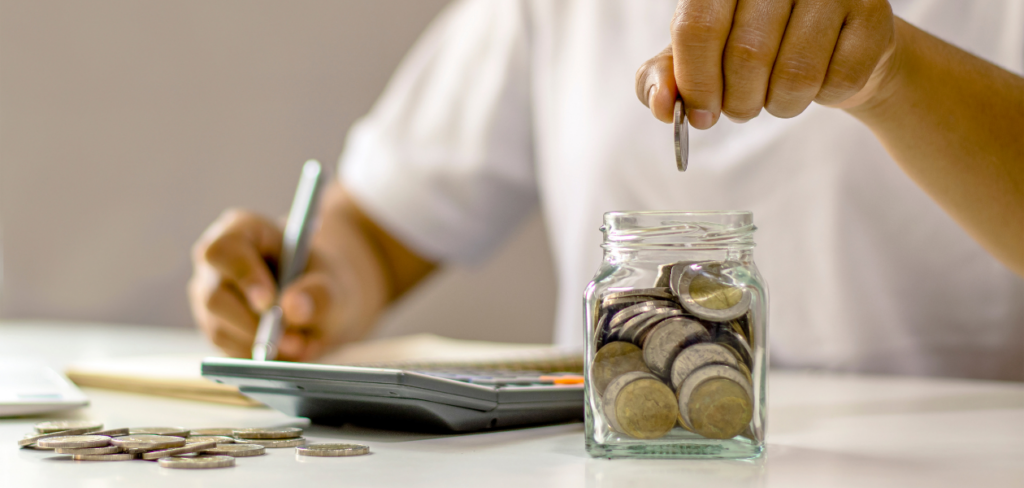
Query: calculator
[420,399]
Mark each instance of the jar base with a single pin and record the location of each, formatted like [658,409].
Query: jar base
[675,446]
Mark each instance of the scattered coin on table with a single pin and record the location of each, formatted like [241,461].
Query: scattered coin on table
[188,450]
[171,431]
[282,433]
[77,441]
[105,457]
[148,441]
[33,439]
[59,425]
[89,450]
[332,450]
[274,443]
[237,450]
[197,462]
[220,431]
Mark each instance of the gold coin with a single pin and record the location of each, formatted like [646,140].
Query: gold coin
[711,293]
[646,409]
[716,401]
[720,409]
[613,360]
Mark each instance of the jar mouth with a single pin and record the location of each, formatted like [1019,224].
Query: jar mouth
[732,229]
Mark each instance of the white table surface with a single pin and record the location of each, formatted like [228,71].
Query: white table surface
[824,430]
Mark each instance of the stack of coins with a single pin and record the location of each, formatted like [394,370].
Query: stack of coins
[174,447]
[678,353]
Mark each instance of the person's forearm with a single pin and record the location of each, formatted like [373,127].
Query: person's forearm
[955,124]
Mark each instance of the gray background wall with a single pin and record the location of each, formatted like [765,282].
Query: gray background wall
[126,126]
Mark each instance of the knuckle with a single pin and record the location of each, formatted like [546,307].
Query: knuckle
[214,299]
[835,91]
[216,250]
[695,26]
[797,74]
[749,46]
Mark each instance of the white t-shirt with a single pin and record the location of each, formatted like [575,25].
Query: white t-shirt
[504,105]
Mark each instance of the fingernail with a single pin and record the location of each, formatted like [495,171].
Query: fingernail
[700,119]
[301,306]
[651,92]
[259,297]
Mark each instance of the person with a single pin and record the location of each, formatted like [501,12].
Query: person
[887,184]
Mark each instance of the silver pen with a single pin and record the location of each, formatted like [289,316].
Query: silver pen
[298,231]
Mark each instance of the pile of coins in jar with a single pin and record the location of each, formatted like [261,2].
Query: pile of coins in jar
[173,447]
[678,353]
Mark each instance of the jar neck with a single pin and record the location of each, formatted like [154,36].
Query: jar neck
[677,233]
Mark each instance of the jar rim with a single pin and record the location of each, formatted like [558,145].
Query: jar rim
[617,213]
[660,229]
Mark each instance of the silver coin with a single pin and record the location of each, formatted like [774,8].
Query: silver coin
[74,441]
[88,450]
[681,132]
[669,338]
[149,442]
[656,292]
[332,450]
[197,462]
[218,431]
[706,373]
[177,451]
[700,355]
[104,457]
[237,450]
[279,433]
[631,311]
[33,439]
[171,431]
[274,443]
[59,425]
[738,344]
[637,326]
[111,432]
[219,439]
[705,291]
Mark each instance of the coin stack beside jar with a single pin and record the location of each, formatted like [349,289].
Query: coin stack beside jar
[679,353]
[174,447]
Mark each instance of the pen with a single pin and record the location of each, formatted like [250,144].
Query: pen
[294,253]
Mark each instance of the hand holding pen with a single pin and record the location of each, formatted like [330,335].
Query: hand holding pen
[334,298]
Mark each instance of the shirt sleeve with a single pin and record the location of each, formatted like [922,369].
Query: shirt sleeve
[444,160]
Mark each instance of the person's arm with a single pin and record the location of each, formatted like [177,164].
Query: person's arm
[953,122]
[355,269]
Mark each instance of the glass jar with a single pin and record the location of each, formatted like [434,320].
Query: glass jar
[675,345]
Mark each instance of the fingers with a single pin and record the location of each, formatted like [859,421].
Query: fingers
[699,32]
[749,55]
[739,56]
[656,85]
[237,245]
[803,58]
[221,313]
[307,305]
[307,300]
